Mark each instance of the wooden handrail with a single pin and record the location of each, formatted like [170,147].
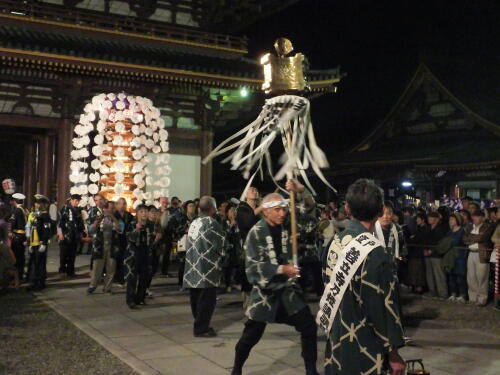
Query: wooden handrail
[87,18]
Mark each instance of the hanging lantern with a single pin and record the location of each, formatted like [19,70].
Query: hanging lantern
[124,129]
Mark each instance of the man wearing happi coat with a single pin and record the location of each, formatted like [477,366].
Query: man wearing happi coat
[203,268]
[276,296]
[141,242]
[366,331]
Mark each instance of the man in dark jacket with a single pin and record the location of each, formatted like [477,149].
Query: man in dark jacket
[69,233]
[434,272]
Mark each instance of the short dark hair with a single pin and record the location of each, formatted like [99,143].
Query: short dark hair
[141,207]
[422,216]
[389,204]
[478,206]
[409,209]
[152,208]
[365,199]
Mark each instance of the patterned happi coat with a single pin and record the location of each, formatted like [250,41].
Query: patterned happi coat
[71,223]
[269,287]
[204,255]
[367,325]
[98,241]
[141,243]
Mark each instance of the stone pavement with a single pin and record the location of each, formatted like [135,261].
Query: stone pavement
[158,339]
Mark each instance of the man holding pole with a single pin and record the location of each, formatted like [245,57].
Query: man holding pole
[276,296]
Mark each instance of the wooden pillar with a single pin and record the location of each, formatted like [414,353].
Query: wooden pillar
[29,173]
[46,153]
[63,160]
[206,142]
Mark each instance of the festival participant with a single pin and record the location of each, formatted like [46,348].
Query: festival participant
[478,239]
[69,233]
[18,231]
[203,269]
[106,243]
[359,310]
[125,218]
[154,222]
[168,222]
[276,296]
[38,233]
[141,241]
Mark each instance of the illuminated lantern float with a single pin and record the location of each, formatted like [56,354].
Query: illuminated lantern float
[113,147]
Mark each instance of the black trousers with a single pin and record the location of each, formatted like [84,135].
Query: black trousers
[180,272]
[37,268]
[18,249]
[304,323]
[311,270]
[137,284]
[165,263]
[67,255]
[155,263]
[119,271]
[203,302]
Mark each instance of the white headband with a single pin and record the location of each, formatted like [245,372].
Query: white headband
[281,203]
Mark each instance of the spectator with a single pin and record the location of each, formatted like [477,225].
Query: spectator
[154,222]
[466,219]
[465,203]
[455,261]
[341,220]
[203,266]
[184,221]
[435,276]
[478,239]
[491,213]
[416,264]
[235,256]
[410,219]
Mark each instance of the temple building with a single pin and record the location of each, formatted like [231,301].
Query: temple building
[441,138]
[55,55]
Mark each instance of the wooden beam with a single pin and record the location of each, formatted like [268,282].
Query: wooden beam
[26,121]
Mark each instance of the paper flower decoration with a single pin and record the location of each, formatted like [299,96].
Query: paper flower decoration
[105,162]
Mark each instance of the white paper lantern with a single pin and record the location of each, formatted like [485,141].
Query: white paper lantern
[98,139]
[94,177]
[164,146]
[149,132]
[93,189]
[95,164]
[107,104]
[163,134]
[136,142]
[119,166]
[136,129]
[119,152]
[97,150]
[119,177]
[119,189]
[73,190]
[120,105]
[120,127]
[85,140]
[149,143]
[156,149]
[83,189]
[111,96]
[137,154]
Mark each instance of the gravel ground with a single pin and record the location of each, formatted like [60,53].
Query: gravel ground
[34,339]
[416,309]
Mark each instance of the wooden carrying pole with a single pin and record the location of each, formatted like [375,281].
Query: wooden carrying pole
[293,214]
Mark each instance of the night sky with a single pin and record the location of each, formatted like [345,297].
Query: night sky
[379,44]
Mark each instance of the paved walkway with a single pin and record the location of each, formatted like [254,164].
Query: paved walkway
[157,339]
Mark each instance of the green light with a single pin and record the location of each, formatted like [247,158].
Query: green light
[243,92]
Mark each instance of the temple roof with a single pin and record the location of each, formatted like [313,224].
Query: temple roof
[93,41]
[446,117]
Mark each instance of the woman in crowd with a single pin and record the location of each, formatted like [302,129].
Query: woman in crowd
[457,269]
[416,264]
[235,256]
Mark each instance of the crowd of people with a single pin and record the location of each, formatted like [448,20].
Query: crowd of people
[242,245]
